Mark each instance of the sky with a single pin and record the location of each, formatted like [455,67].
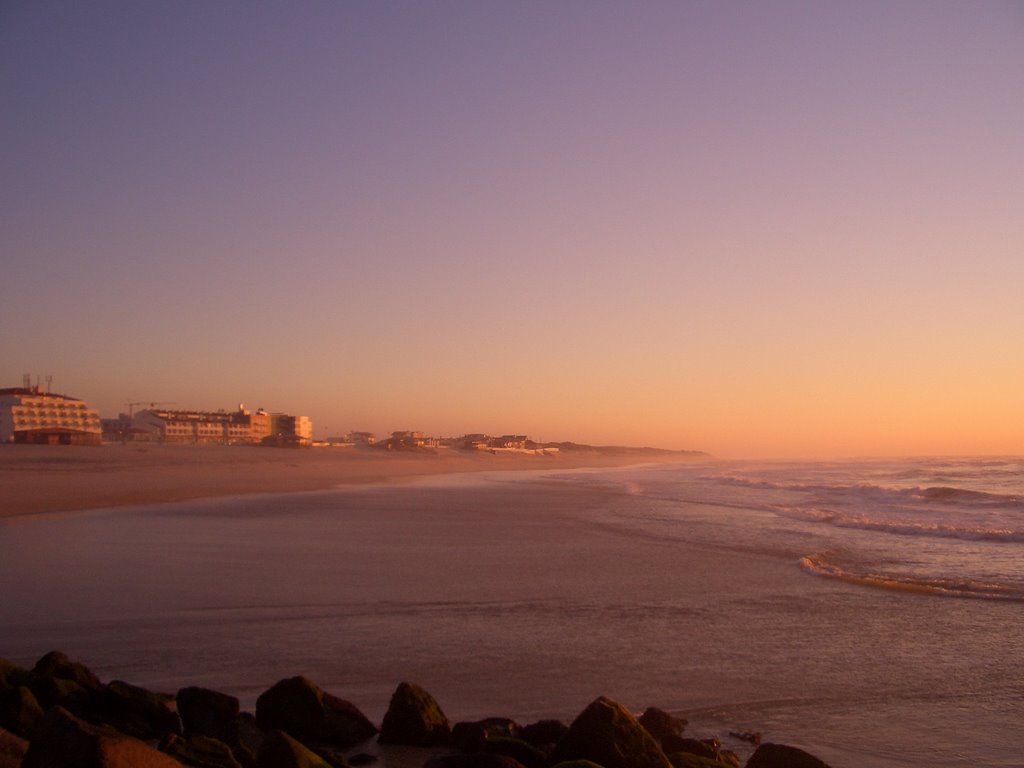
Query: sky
[770,229]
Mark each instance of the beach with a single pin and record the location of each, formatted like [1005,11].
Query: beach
[42,479]
[866,612]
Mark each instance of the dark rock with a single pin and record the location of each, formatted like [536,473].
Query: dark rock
[138,712]
[781,756]
[729,758]
[250,737]
[414,719]
[300,708]
[61,740]
[56,664]
[279,750]
[519,750]
[362,759]
[61,692]
[576,764]
[690,760]
[607,733]
[12,749]
[11,675]
[19,711]
[543,732]
[481,760]
[470,736]
[660,723]
[200,751]
[673,744]
[208,713]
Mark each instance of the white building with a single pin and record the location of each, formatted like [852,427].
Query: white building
[29,415]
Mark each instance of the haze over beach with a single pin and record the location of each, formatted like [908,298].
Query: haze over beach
[727,297]
[771,229]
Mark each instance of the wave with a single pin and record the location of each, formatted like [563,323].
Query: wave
[819,565]
[904,527]
[926,494]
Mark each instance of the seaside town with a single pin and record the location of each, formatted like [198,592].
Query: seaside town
[32,414]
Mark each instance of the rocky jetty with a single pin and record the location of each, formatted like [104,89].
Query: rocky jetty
[60,715]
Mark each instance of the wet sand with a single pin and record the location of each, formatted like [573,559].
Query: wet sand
[43,479]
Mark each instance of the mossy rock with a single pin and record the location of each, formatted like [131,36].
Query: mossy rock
[279,750]
[414,718]
[200,752]
[690,760]
[606,733]
[519,750]
[782,756]
[58,665]
[300,708]
[19,711]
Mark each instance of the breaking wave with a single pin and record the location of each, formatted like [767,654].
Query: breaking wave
[819,565]
[905,527]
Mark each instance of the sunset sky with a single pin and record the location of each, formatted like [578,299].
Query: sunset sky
[756,229]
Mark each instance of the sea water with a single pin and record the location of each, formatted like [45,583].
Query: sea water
[868,611]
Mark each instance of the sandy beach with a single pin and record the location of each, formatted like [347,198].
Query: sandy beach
[43,479]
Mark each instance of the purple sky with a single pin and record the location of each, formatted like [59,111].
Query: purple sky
[753,228]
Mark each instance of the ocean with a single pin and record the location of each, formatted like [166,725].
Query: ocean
[871,612]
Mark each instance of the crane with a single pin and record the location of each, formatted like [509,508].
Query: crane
[131,405]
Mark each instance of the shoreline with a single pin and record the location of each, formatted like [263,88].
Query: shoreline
[40,480]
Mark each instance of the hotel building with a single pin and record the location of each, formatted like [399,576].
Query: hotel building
[30,415]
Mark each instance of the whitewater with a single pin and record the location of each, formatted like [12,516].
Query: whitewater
[868,611]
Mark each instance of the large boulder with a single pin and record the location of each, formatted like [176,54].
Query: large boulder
[781,756]
[12,749]
[606,733]
[279,750]
[297,706]
[63,741]
[208,713]
[200,752]
[11,675]
[660,723]
[414,719]
[19,711]
[56,664]
[482,760]
[139,712]
[544,732]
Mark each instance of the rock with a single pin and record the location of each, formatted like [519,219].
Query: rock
[279,750]
[362,758]
[729,758]
[471,736]
[138,712]
[12,749]
[482,760]
[11,675]
[56,664]
[752,737]
[543,732]
[607,733]
[61,692]
[781,756]
[19,711]
[250,737]
[519,750]
[674,744]
[301,709]
[63,741]
[414,719]
[660,723]
[576,764]
[200,751]
[208,713]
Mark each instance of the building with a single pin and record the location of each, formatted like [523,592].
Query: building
[239,427]
[30,415]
